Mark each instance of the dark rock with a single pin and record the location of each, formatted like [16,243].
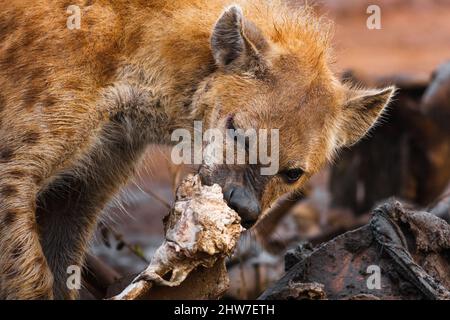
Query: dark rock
[409,248]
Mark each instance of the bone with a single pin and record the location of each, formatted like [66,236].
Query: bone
[201,231]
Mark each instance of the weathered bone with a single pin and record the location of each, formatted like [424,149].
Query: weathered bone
[200,230]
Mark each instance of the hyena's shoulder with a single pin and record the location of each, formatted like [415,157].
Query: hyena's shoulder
[52,75]
[46,57]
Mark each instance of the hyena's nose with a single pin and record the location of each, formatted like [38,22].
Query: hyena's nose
[244,203]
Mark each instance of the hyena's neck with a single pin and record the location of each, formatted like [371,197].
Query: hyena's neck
[157,107]
[166,71]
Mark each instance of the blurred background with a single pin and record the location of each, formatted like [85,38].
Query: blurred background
[408,156]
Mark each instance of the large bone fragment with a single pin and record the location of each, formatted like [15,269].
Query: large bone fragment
[201,231]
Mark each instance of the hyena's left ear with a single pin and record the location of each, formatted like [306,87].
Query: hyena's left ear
[361,112]
[236,41]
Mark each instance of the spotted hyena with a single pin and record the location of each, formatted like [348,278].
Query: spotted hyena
[78,106]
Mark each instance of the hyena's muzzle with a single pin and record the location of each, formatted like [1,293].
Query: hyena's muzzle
[242,187]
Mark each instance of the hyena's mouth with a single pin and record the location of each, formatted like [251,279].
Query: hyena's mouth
[239,197]
[244,202]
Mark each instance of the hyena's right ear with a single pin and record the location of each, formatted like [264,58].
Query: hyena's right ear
[361,112]
[235,41]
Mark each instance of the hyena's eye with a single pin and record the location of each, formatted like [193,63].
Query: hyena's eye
[230,122]
[292,175]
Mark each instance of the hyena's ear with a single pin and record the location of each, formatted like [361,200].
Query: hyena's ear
[361,112]
[235,41]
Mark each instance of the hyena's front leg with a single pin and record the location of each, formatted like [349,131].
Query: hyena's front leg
[24,273]
[68,210]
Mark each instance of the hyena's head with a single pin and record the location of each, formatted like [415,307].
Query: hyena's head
[268,77]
